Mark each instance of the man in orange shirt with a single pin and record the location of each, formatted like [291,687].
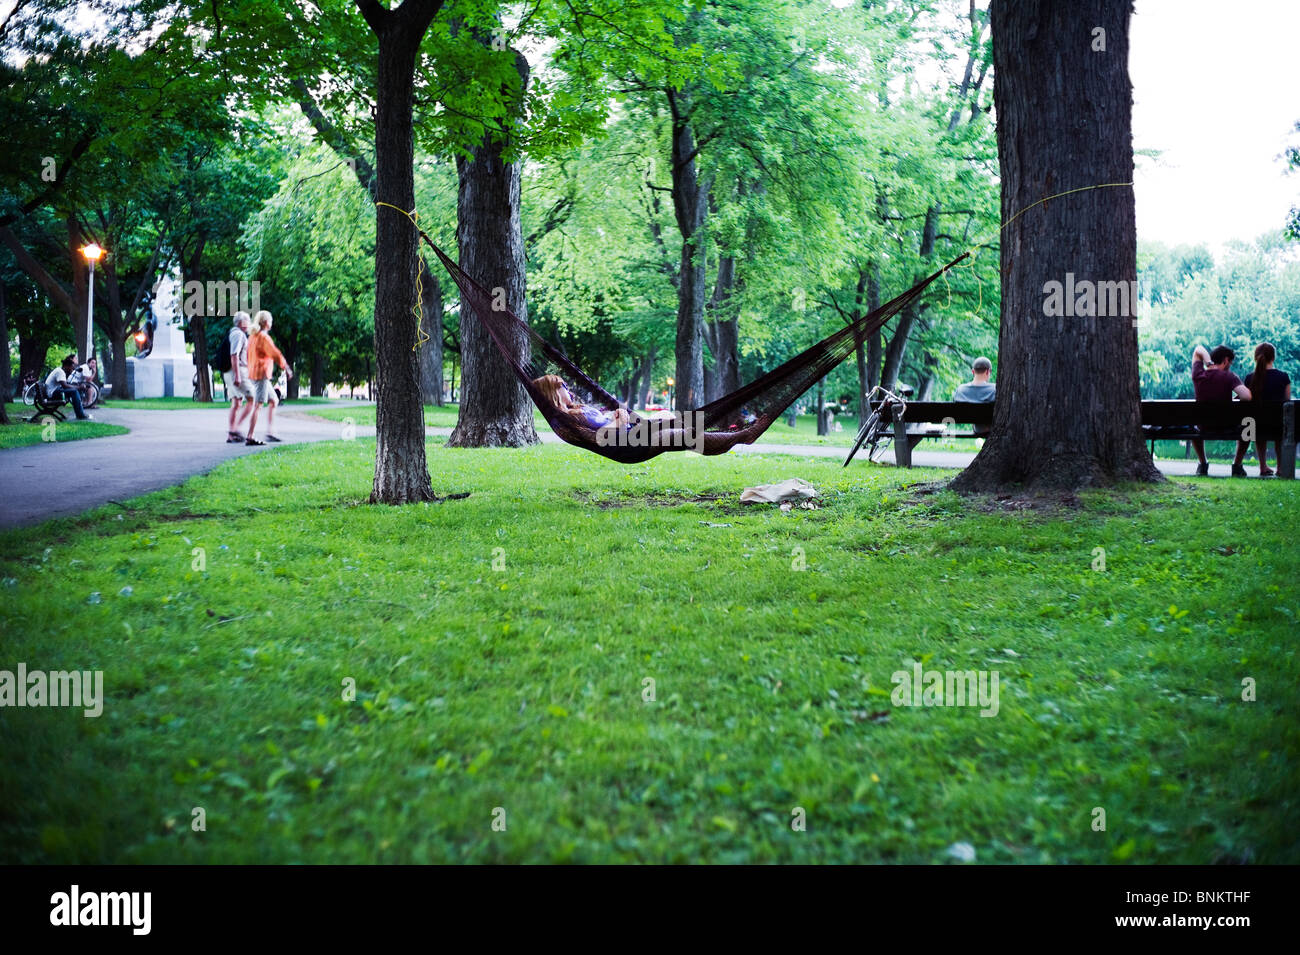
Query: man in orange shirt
[262,353]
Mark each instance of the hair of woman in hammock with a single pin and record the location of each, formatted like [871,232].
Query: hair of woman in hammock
[593,416]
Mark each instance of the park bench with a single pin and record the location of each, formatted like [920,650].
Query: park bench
[1161,420]
[46,404]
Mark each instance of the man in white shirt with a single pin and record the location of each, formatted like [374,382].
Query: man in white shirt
[239,387]
[56,385]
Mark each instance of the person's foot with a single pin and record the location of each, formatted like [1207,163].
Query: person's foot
[1203,469]
[233,437]
[1266,471]
[273,439]
[254,441]
[1239,471]
[86,417]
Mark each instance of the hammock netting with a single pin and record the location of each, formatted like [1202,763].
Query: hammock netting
[596,421]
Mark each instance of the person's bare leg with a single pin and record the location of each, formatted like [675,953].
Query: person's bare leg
[234,406]
[1242,448]
[252,419]
[1199,447]
[270,418]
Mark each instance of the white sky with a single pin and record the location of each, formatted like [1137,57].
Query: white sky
[1215,86]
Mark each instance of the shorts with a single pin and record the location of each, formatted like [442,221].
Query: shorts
[262,391]
[243,390]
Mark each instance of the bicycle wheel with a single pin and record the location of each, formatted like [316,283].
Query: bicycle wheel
[92,395]
[29,394]
[868,428]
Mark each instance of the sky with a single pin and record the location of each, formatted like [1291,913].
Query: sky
[1216,88]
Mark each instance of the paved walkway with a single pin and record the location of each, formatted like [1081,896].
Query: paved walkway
[164,448]
[167,447]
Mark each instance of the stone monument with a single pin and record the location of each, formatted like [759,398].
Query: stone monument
[168,370]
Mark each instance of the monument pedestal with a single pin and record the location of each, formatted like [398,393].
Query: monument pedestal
[167,371]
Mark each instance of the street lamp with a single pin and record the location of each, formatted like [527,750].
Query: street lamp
[671,406]
[93,254]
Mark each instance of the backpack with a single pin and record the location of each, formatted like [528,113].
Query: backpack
[222,363]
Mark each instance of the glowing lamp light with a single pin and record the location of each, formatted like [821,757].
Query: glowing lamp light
[671,382]
[141,338]
[92,252]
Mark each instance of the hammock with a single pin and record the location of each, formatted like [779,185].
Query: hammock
[737,418]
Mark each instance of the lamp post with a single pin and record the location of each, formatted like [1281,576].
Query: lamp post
[671,406]
[93,254]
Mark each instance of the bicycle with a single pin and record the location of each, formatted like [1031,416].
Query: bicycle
[29,388]
[877,429]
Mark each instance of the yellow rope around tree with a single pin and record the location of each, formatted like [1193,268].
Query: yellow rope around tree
[421,336]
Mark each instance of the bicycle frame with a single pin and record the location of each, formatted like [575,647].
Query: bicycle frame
[871,424]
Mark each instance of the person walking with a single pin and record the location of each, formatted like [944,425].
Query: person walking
[262,356]
[238,388]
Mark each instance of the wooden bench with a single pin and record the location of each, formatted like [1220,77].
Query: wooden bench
[46,404]
[1161,420]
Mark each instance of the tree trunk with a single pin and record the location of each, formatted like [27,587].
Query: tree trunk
[6,379]
[822,430]
[495,410]
[897,346]
[318,375]
[401,468]
[431,349]
[691,210]
[1068,411]
[647,377]
[723,334]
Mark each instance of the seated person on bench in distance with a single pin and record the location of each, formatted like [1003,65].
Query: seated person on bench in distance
[978,389]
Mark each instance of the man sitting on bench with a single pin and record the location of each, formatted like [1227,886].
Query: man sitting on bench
[978,389]
[56,386]
[1212,381]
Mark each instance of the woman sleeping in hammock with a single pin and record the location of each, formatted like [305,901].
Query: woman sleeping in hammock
[619,427]
[591,416]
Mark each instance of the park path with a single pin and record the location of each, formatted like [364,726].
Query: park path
[165,448]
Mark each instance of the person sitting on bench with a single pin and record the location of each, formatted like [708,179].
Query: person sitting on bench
[56,386]
[978,389]
[1266,383]
[1212,381]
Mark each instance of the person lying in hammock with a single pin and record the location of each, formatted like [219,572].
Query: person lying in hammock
[592,416]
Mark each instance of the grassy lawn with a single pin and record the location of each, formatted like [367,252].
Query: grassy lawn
[18,433]
[502,648]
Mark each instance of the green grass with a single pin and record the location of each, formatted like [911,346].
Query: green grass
[18,433]
[501,647]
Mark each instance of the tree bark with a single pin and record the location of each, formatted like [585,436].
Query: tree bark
[495,410]
[6,379]
[431,348]
[1068,411]
[722,333]
[401,467]
[691,211]
[318,375]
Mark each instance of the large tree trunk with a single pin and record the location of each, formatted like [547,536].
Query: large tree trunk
[431,348]
[495,410]
[691,210]
[1068,411]
[401,468]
